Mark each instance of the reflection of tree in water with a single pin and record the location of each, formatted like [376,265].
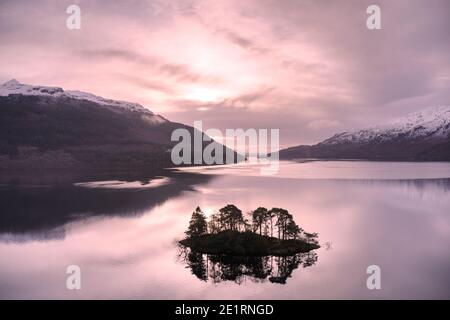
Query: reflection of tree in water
[220,268]
[197,265]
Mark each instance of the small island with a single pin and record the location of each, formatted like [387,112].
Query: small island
[229,233]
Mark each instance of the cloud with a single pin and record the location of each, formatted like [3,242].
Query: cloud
[182,73]
[307,67]
[146,83]
[323,124]
[238,103]
[248,98]
[242,42]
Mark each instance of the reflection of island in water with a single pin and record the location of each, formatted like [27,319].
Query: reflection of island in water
[230,248]
[238,269]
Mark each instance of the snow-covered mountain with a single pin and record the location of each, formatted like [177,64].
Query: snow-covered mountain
[14,87]
[423,135]
[49,127]
[431,123]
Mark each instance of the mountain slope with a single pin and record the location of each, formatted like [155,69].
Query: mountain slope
[421,136]
[49,127]
[14,87]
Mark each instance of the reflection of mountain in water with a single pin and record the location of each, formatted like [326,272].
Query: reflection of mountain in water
[412,187]
[220,268]
[42,211]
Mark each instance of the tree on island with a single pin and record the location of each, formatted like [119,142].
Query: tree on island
[197,224]
[259,219]
[231,218]
[263,222]
[228,233]
[269,217]
[293,230]
[282,218]
[214,223]
[311,237]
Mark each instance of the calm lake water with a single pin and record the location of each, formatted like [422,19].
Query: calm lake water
[123,233]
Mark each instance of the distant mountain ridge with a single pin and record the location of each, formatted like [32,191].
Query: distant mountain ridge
[420,136]
[48,127]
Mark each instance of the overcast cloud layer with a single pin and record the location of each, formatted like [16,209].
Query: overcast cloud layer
[310,68]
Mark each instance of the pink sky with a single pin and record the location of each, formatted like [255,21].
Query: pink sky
[309,68]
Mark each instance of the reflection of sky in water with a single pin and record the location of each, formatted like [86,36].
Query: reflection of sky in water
[401,225]
[116,184]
